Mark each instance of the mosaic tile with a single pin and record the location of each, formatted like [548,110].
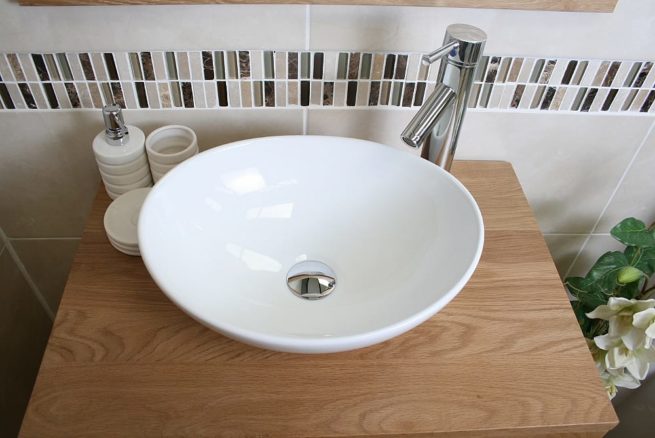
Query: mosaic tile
[269,65]
[385,93]
[366,64]
[280,65]
[147,66]
[267,78]
[396,93]
[330,66]
[419,94]
[292,59]
[328,93]
[199,91]
[195,63]
[99,67]
[211,96]
[503,70]
[305,65]
[315,93]
[39,97]
[599,99]
[110,63]
[152,95]
[363,90]
[374,93]
[27,95]
[41,69]
[281,94]
[218,68]
[234,94]
[5,70]
[600,74]
[292,93]
[558,99]
[123,66]
[378,65]
[96,98]
[221,92]
[176,94]
[317,68]
[141,95]
[15,66]
[207,65]
[164,95]
[339,94]
[304,93]
[171,65]
[28,67]
[408,94]
[183,70]
[528,96]
[515,69]
[50,95]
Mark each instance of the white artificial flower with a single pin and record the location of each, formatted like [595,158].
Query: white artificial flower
[612,379]
[645,320]
[619,312]
[619,356]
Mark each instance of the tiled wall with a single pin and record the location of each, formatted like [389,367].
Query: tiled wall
[566,98]
[269,78]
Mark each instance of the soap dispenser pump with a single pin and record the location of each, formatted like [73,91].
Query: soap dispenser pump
[116,132]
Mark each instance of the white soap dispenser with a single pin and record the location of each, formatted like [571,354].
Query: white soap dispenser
[120,154]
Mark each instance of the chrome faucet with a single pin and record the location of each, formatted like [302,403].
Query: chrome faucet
[437,124]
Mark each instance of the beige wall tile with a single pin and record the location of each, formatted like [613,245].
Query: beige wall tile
[215,128]
[597,246]
[567,164]
[48,176]
[563,250]
[381,125]
[24,330]
[636,194]
[510,31]
[48,262]
[180,27]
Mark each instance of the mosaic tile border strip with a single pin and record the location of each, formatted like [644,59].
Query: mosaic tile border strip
[255,78]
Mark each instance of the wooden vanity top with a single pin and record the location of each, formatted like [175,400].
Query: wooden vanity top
[504,358]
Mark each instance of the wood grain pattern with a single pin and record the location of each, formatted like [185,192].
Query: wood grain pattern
[541,5]
[505,358]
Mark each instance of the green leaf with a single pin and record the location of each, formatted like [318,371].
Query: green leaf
[629,274]
[630,290]
[603,276]
[641,258]
[633,232]
[585,323]
[588,296]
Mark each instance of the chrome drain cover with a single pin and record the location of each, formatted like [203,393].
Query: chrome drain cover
[311,280]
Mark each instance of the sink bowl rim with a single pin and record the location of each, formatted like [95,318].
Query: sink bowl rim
[293,344]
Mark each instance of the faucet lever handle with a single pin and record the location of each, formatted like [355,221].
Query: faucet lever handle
[431,57]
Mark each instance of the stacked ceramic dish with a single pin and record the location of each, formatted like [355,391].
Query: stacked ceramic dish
[121,221]
[168,146]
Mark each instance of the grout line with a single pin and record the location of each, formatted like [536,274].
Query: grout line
[575,234]
[611,197]
[26,276]
[307,26]
[43,238]
[305,116]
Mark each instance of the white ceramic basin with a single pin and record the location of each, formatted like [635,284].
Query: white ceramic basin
[220,233]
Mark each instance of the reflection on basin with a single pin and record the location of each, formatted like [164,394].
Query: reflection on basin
[221,233]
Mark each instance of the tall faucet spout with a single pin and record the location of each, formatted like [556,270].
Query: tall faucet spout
[437,125]
[427,116]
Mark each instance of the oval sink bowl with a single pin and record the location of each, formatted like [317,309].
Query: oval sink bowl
[310,244]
